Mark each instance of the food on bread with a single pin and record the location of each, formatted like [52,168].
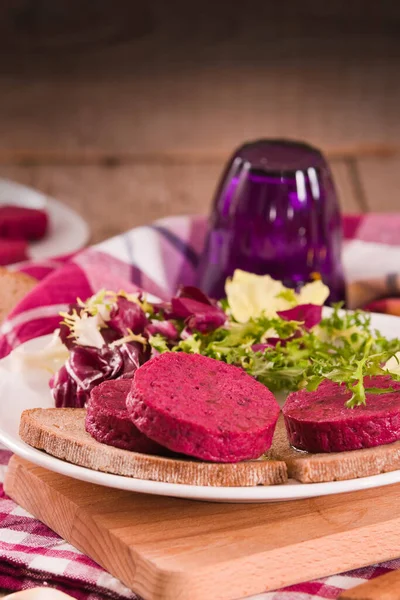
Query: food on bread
[61,433]
[333,466]
[202,407]
[108,421]
[319,421]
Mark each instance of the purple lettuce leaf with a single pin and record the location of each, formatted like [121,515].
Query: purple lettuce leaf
[182,308]
[165,328]
[199,316]
[133,355]
[64,390]
[207,321]
[194,293]
[87,367]
[163,309]
[188,292]
[309,314]
[270,343]
[125,316]
[65,333]
[199,312]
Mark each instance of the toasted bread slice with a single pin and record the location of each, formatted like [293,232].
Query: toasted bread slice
[13,286]
[333,466]
[61,433]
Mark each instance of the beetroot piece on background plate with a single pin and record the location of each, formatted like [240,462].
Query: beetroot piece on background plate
[12,251]
[319,421]
[107,419]
[19,222]
[202,407]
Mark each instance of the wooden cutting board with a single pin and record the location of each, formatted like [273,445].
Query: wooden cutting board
[174,549]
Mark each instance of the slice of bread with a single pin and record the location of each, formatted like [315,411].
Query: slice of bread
[333,466]
[13,287]
[61,433]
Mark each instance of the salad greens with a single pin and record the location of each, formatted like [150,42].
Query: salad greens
[341,348]
[278,336]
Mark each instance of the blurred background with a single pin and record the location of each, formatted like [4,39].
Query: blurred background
[127,111]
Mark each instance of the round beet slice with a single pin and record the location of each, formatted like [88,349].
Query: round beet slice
[320,422]
[202,407]
[107,419]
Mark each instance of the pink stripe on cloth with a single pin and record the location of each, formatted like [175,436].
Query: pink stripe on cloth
[40,269]
[373,227]
[317,589]
[104,271]
[350,226]
[38,313]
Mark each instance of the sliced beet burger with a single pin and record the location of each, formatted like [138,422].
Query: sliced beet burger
[203,408]
[319,421]
[108,422]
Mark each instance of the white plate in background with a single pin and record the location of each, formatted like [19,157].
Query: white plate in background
[68,232]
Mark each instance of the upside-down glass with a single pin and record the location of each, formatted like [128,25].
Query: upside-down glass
[275,212]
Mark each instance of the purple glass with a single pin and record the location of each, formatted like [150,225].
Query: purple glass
[275,212]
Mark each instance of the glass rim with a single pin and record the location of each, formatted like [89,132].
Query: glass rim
[300,156]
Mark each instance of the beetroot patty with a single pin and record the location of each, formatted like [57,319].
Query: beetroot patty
[107,419]
[320,422]
[202,407]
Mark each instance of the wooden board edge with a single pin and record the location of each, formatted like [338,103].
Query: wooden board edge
[165,580]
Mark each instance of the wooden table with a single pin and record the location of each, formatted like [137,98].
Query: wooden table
[131,125]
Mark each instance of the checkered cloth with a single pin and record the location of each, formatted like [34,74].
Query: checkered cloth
[158,258]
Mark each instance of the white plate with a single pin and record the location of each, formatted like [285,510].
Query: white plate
[28,388]
[68,232]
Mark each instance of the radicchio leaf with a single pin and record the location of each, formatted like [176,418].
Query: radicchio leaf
[134,354]
[270,343]
[125,316]
[198,310]
[87,367]
[206,321]
[309,314]
[65,332]
[194,293]
[165,328]
[64,390]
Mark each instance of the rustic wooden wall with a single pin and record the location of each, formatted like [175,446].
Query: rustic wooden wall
[139,107]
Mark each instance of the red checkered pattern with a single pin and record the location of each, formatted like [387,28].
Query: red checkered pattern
[31,554]
[156,258]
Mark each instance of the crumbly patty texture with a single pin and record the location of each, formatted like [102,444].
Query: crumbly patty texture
[107,419]
[202,407]
[320,422]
